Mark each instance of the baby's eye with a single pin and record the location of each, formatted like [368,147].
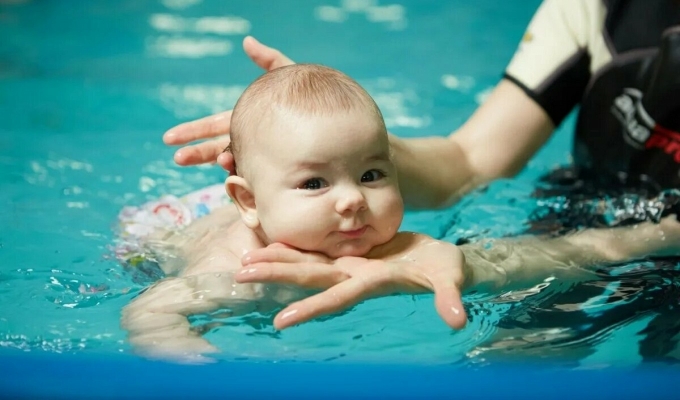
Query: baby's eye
[372,175]
[314,184]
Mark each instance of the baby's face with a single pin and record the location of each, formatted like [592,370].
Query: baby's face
[326,183]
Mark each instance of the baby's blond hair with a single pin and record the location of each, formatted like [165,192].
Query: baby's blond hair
[308,89]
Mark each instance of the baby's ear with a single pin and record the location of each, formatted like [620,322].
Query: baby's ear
[242,194]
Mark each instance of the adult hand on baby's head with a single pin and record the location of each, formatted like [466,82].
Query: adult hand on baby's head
[347,281]
[217,126]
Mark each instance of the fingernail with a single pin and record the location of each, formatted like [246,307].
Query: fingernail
[288,314]
[246,259]
[170,135]
[455,310]
[247,271]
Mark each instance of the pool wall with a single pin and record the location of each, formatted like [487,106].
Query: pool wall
[42,375]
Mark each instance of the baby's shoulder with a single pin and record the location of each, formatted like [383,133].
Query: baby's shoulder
[218,242]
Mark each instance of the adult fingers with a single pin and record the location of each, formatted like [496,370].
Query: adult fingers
[264,56]
[446,284]
[449,304]
[206,152]
[282,254]
[278,245]
[204,128]
[338,298]
[306,275]
[226,161]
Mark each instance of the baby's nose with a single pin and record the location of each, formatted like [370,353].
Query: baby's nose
[350,200]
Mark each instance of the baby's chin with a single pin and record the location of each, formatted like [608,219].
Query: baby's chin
[347,250]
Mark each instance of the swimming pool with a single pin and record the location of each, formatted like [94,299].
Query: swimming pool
[86,90]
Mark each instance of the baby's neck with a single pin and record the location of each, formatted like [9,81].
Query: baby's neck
[255,237]
[260,240]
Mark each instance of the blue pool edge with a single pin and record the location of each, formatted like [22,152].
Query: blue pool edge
[38,374]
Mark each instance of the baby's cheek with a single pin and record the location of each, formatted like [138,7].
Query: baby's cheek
[393,212]
[296,229]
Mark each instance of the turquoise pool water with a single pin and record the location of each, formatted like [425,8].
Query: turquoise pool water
[87,89]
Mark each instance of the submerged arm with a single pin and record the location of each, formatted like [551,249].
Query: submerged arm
[428,265]
[504,261]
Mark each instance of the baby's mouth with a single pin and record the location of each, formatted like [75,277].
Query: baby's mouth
[355,233]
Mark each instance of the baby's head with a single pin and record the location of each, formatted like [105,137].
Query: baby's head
[314,169]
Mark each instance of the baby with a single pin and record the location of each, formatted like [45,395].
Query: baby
[313,172]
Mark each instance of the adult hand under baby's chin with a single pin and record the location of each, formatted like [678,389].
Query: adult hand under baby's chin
[283,253]
[347,281]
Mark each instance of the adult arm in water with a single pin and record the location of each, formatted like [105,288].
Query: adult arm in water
[496,264]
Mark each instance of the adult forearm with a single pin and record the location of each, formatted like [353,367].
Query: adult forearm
[497,141]
[647,239]
[504,261]
[433,171]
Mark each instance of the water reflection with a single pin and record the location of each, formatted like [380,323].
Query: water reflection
[615,318]
[459,83]
[180,4]
[226,25]
[193,37]
[396,103]
[162,177]
[391,16]
[193,101]
[182,47]
[40,170]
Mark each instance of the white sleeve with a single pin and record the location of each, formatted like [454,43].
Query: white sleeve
[553,61]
